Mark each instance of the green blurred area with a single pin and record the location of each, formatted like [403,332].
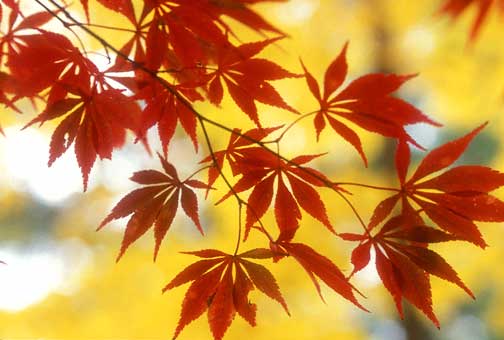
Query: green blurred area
[68,270]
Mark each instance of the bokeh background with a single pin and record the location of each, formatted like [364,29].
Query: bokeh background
[61,280]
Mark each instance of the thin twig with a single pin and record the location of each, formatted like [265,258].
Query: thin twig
[367,186]
[196,172]
[103,26]
[239,229]
[294,123]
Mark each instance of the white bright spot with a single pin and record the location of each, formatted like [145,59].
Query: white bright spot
[467,327]
[388,330]
[425,135]
[27,278]
[369,276]
[419,41]
[24,155]
[115,175]
[103,63]
[296,12]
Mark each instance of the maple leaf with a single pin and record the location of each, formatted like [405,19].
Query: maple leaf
[185,36]
[247,78]
[184,30]
[453,199]
[260,170]
[124,7]
[239,145]
[404,261]
[36,61]
[240,11]
[10,43]
[12,38]
[177,38]
[192,30]
[455,8]
[366,102]
[196,18]
[95,119]
[155,204]
[214,288]
[92,113]
[134,48]
[210,11]
[317,265]
[165,109]
[168,34]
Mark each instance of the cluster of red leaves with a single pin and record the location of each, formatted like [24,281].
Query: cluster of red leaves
[180,52]
[452,200]
[189,41]
[92,113]
[455,8]
[9,42]
[162,107]
[239,145]
[260,169]
[186,40]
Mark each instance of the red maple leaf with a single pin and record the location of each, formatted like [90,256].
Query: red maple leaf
[161,39]
[317,265]
[453,199]
[404,261]
[239,145]
[181,35]
[240,11]
[216,289]
[35,61]
[155,204]
[92,113]
[95,116]
[124,7]
[366,102]
[247,78]
[13,38]
[41,59]
[260,170]
[165,109]
[455,8]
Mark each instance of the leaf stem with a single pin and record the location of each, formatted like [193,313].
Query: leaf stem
[367,186]
[294,123]
[103,26]
[239,228]
[356,213]
[197,171]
